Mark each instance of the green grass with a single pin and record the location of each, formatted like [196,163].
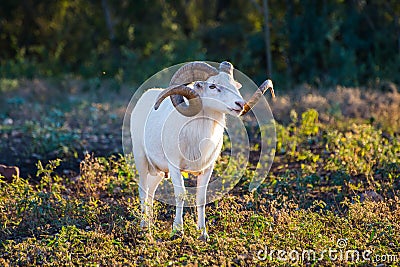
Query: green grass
[330,181]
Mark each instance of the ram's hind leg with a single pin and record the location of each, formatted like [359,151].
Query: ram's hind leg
[144,223]
[147,189]
[152,183]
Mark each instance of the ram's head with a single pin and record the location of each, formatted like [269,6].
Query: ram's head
[218,84]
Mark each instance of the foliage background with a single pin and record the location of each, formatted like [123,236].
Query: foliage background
[350,43]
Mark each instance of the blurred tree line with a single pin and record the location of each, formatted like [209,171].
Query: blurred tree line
[320,42]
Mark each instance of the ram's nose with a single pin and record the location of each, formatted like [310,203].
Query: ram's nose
[240,103]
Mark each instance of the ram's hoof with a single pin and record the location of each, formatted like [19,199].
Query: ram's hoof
[204,237]
[144,224]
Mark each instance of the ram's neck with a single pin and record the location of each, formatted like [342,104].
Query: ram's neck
[201,139]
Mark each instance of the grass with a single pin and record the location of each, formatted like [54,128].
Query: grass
[335,178]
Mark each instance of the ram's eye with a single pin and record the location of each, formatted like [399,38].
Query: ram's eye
[212,86]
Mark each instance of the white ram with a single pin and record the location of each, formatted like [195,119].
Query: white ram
[174,136]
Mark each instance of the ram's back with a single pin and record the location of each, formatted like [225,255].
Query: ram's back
[140,113]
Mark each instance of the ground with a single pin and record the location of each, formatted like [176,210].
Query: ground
[334,184]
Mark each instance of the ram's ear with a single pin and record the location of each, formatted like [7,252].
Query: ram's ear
[238,85]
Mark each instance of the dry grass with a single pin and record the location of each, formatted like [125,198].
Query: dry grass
[341,103]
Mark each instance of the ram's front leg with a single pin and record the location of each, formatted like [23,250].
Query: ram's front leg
[202,183]
[179,192]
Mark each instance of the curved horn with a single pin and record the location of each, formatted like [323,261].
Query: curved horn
[257,95]
[188,73]
[227,67]
[177,93]
[193,71]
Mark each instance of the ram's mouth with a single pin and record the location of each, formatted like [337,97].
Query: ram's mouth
[236,111]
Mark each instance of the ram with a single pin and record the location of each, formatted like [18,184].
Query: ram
[170,137]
